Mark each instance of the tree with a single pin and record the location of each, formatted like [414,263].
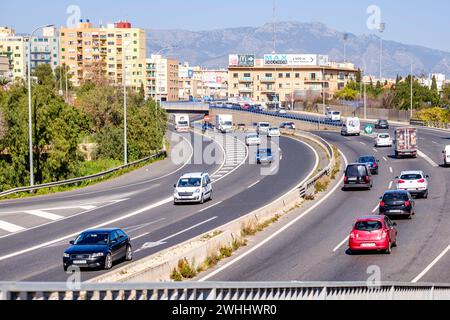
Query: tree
[44,75]
[358,76]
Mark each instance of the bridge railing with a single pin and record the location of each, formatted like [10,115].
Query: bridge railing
[224,291]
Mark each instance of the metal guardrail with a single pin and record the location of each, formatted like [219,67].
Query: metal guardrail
[225,291]
[299,117]
[430,124]
[81,179]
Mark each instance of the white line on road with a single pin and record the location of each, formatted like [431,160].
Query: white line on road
[10,227]
[280,231]
[390,170]
[376,208]
[390,184]
[363,143]
[385,159]
[341,244]
[427,159]
[375,150]
[215,204]
[44,214]
[434,142]
[431,265]
[253,184]
[140,236]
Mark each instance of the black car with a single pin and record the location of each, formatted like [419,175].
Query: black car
[371,162]
[98,249]
[288,125]
[357,175]
[397,203]
[382,124]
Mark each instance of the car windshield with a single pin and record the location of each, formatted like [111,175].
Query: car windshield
[395,197]
[227,123]
[366,159]
[252,136]
[356,171]
[368,225]
[382,121]
[264,151]
[384,136]
[184,123]
[264,125]
[336,113]
[273,129]
[189,182]
[91,238]
[411,177]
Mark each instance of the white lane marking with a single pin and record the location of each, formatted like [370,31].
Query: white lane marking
[375,150]
[140,236]
[434,142]
[143,225]
[363,143]
[376,208]
[390,184]
[88,207]
[427,159]
[215,204]
[385,159]
[253,184]
[390,170]
[44,214]
[162,241]
[341,244]
[431,265]
[9,227]
[280,231]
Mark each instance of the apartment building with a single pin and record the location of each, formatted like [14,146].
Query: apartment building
[15,48]
[91,52]
[282,78]
[189,86]
[4,67]
[45,48]
[162,78]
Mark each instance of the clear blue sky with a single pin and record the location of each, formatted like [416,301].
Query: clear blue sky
[409,21]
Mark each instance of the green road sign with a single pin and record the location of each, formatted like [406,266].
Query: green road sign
[368,129]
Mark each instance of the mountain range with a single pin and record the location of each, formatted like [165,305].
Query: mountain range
[211,48]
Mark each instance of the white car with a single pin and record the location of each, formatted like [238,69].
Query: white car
[193,187]
[333,116]
[416,182]
[273,132]
[383,140]
[281,111]
[262,127]
[446,153]
[252,139]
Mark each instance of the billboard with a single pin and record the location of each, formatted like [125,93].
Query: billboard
[186,73]
[290,60]
[241,60]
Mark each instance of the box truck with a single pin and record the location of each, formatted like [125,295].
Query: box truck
[406,142]
[181,122]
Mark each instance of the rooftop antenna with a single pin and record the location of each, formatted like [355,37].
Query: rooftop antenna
[273,26]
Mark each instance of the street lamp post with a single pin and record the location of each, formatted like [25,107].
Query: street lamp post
[381,29]
[124,70]
[411,96]
[30,127]
[345,47]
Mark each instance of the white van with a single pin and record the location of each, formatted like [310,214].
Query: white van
[263,128]
[446,153]
[351,127]
[181,122]
[193,187]
[334,116]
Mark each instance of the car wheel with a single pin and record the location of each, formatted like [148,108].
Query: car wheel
[202,199]
[108,262]
[389,248]
[129,253]
[395,244]
[425,195]
[65,268]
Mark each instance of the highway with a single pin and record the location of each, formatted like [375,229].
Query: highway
[314,248]
[140,203]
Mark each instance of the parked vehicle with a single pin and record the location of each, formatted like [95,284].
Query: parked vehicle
[351,127]
[281,111]
[406,142]
[397,203]
[334,116]
[273,132]
[382,124]
[264,156]
[446,153]
[181,122]
[252,139]
[98,248]
[262,128]
[415,182]
[371,162]
[383,140]
[373,233]
[287,125]
[224,123]
[193,187]
[357,175]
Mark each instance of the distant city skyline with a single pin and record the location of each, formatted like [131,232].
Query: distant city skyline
[414,22]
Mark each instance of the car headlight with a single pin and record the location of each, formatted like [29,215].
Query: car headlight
[96,255]
[197,191]
[66,255]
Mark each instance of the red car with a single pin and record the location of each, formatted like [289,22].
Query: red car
[373,233]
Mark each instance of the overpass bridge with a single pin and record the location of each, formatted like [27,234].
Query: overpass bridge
[185,107]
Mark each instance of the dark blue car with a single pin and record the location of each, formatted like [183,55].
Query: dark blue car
[371,162]
[98,248]
[264,156]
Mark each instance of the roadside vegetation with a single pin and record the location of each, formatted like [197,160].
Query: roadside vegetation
[75,136]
